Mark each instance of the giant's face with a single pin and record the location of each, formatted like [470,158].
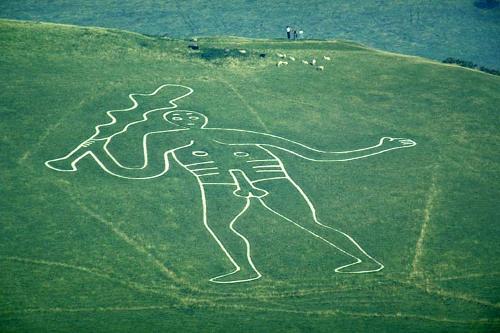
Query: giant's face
[188,119]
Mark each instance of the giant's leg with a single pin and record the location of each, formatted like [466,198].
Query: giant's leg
[287,200]
[221,211]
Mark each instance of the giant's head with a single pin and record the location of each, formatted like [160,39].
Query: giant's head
[185,118]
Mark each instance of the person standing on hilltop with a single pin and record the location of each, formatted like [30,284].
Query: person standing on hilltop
[294,34]
[288,31]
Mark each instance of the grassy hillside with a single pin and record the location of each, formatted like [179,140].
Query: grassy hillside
[435,29]
[86,251]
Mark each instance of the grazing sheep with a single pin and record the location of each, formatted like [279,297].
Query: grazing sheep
[320,68]
[242,51]
[193,46]
[305,62]
[313,62]
[291,58]
[281,63]
[283,56]
[327,58]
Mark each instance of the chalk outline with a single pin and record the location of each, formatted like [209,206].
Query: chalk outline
[407,144]
[145,115]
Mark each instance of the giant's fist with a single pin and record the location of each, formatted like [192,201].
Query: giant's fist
[397,142]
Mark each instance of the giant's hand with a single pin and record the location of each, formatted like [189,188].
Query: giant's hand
[394,143]
[67,163]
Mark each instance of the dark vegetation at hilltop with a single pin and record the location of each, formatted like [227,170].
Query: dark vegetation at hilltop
[470,64]
[218,55]
[486,4]
[213,54]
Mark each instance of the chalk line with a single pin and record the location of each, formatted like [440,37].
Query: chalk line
[263,141]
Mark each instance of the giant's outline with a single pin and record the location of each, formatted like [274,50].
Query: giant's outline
[92,139]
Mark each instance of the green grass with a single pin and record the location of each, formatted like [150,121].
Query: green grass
[434,29]
[86,251]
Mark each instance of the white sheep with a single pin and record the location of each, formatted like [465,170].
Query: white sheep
[313,62]
[283,56]
[291,58]
[242,51]
[281,63]
[320,68]
[327,58]
[305,62]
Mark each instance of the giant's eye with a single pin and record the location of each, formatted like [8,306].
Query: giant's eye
[176,118]
[194,118]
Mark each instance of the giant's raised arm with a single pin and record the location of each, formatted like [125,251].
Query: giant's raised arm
[243,137]
[155,158]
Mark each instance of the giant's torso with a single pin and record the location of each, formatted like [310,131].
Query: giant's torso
[210,161]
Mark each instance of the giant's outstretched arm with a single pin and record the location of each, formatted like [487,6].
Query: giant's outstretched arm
[241,137]
[155,160]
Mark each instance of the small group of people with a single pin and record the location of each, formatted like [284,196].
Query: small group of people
[293,33]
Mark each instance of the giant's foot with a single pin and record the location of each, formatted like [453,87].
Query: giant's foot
[359,267]
[237,276]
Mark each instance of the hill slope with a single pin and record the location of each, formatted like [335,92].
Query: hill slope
[94,252]
[435,29]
